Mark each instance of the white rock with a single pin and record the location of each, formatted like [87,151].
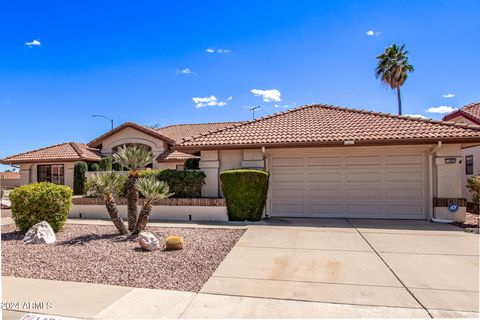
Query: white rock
[148,241]
[41,233]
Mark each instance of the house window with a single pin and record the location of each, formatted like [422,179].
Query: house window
[51,173]
[469,165]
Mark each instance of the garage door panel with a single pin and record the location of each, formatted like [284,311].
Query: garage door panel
[287,162]
[324,161]
[288,193]
[364,193]
[364,177]
[324,177]
[325,194]
[358,185]
[363,160]
[404,176]
[413,159]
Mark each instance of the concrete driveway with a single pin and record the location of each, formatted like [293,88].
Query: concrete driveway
[345,268]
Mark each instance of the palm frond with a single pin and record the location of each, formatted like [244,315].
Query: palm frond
[152,188]
[106,183]
[133,157]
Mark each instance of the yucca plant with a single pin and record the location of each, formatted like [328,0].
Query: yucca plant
[108,185]
[152,189]
[134,158]
[393,68]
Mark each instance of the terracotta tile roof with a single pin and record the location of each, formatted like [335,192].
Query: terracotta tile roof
[470,111]
[178,132]
[147,130]
[325,124]
[69,151]
[173,155]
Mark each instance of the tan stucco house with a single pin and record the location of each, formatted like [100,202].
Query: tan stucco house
[469,114]
[324,161]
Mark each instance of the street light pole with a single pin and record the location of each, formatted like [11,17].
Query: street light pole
[102,116]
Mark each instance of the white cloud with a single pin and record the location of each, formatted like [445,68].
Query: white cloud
[212,50]
[448,95]
[185,71]
[229,98]
[421,116]
[441,109]
[211,101]
[279,106]
[267,95]
[372,33]
[34,43]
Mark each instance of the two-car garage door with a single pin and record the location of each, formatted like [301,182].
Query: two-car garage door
[352,182]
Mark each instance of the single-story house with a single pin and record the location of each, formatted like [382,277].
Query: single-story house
[469,114]
[325,161]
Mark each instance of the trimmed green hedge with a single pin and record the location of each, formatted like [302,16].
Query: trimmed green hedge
[93,167]
[184,184]
[79,178]
[473,185]
[44,201]
[245,192]
[105,164]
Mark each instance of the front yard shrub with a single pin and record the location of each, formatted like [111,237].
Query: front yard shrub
[183,184]
[245,192]
[116,167]
[473,184]
[44,201]
[105,164]
[93,167]
[79,178]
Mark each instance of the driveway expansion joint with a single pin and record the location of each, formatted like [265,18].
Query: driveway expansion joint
[391,270]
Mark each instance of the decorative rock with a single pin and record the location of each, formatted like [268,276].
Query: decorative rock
[148,241]
[41,233]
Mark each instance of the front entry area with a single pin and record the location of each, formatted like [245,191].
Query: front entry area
[349,182]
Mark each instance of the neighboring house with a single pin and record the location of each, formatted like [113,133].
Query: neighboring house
[9,179]
[324,161]
[469,114]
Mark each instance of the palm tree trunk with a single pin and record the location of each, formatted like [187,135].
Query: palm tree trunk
[132,199]
[143,217]
[399,101]
[113,212]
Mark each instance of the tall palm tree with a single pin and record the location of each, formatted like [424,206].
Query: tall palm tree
[134,158]
[108,185]
[153,190]
[393,68]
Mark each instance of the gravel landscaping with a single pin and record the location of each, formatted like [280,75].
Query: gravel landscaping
[97,254]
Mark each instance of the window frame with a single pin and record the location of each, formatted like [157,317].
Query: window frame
[469,165]
[60,180]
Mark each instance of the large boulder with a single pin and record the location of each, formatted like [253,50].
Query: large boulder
[148,241]
[41,233]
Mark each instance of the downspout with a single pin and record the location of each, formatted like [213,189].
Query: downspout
[430,178]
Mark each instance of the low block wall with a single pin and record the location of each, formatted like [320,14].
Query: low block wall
[179,209]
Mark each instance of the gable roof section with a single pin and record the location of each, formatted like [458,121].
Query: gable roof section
[179,132]
[152,132]
[69,151]
[174,156]
[329,125]
[470,111]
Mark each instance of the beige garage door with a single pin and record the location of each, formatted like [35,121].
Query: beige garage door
[348,182]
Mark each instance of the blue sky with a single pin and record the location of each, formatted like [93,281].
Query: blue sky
[146,61]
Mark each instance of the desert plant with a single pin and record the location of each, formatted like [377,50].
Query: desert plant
[152,189]
[105,164]
[174,243]
[393,68]
[93,167]
[108,184]
[245,193]
[473,184]
[79,177]
[134,158]
[44,201]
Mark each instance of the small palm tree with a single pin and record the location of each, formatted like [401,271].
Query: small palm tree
[153,190]
[393,68]
[108,185]
[134,158]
